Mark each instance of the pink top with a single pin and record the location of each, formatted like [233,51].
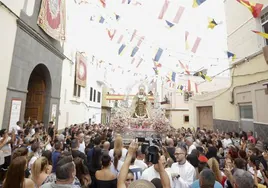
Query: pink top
[252,139]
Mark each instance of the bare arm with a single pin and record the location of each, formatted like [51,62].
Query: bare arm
[163,176]
[124,170]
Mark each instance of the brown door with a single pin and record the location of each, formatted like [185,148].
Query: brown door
[35,98]
[205,117]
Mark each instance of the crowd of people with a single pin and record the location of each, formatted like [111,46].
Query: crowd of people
[94,156]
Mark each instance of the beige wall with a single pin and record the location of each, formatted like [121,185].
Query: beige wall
[254,94]
[241,40]
[7,41]
[247,77]
[244,75]
[176,118]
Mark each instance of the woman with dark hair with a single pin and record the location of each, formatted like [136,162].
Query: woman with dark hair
[104,177]
[117,163]
[48,154]
[15,175]
[95,164]
[22,151]
[82,172]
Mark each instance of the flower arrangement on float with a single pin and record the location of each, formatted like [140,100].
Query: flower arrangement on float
[118,124]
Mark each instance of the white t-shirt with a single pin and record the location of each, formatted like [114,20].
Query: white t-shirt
[119,166]
[82,147]
[226,142]
[140,164]
[124,153]
[190,149]
[32,160]
[6,148]
[150,173]
[17,128]
[186,172]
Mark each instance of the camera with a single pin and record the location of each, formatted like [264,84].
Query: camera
[151,148]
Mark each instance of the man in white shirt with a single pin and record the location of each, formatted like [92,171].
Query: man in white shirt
[185,170]
[82,146]
[153,172]
[139,160]
[17,127]
[190,144]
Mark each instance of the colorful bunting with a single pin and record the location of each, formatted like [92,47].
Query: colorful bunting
[173,76]
[164,9]
[196,44]
[196,87]
[133,60]
[155,70]
[189,85]
[103,3]
[137,3]
[185,68]
[120,39]
[178,15]
[197,3]
[133,35]
[140,41]
[180,88]
[134,51]
[264,35]
[101,20]
[203,75]
[156,64]
[121,49]
[231,55]
[168,78]
[158,54]
[139,62]
[254,8]
[212,23]
[111,35]
[169,24]
[117,17]
[187,47]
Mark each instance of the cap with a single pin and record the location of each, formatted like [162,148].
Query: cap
[202,159]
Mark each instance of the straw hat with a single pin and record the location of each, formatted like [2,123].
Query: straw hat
[141,184]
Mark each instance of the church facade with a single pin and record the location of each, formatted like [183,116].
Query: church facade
[33,65]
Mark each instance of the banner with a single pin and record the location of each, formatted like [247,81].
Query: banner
[81,70]
[52,18]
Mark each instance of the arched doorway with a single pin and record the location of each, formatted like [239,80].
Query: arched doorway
[38,92]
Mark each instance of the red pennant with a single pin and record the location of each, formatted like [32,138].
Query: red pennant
[164,9]
[189,85]
[103,3]
[111,35]
[139,63]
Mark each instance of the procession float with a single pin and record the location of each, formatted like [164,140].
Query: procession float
[139,116]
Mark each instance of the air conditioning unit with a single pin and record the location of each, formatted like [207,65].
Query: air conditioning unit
[265,53]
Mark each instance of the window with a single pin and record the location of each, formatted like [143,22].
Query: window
[94,97]
[187,95]
[186,118]
[77,88]
[246,112]
[99,97]
[264,23]
[91,94]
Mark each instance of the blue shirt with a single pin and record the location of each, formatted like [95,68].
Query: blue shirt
[55,156]
[196,184]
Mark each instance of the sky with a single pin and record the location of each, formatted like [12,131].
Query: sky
[94,40]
